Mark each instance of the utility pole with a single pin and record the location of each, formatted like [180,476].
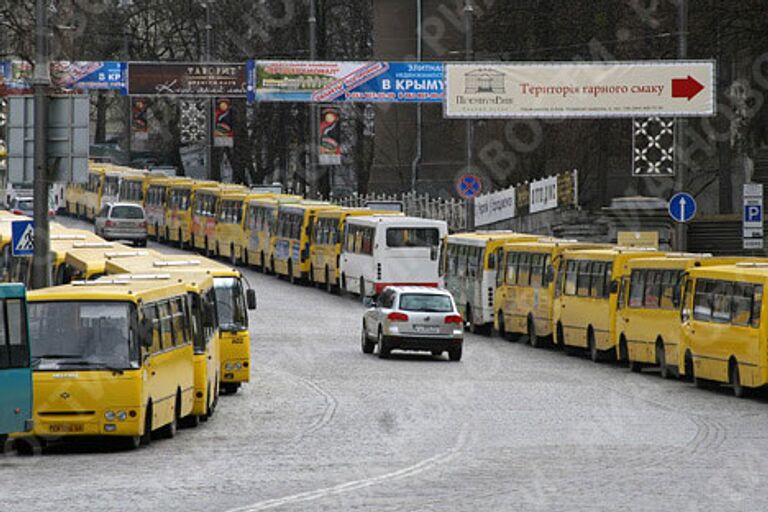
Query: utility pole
[128,135]
[211,101]
[313,121]
[41,81]
[681,229]
[419,114]
[469,19]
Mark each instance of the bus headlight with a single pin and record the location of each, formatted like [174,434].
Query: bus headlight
[109,415]
[228,367]
[238,366]
[122,416]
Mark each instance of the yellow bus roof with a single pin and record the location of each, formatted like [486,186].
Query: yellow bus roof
[87,256]
[108,290]
[192,281]
[168,264]
[307,206]
[345,211]
[682,261]
[612,252]
[549,244]
[755,271]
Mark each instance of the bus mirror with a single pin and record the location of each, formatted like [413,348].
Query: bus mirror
[250,297]
[550,276]
[145,332]
[614,286]
[368,302]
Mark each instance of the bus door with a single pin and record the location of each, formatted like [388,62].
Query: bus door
[15,372]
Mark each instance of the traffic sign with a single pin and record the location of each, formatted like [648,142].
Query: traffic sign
[753,231]
[682,207]
[469,186]
[22,238]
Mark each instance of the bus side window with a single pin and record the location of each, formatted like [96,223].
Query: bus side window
[685,309]
[571,277]
[153,314]
[741,304]
[17,336]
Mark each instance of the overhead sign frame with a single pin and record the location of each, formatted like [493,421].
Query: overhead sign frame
[611,89]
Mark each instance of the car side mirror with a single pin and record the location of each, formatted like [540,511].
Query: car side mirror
[368,302]
[250,298]
[614,286]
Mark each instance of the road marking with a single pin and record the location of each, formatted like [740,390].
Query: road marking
[415,469]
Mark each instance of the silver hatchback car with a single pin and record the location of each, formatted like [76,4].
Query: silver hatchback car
[413,318]
[122,221]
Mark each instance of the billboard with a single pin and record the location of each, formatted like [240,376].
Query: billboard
[66,76]
[223,133]
[329,152]
[580,89]
[319,81]
[176,79]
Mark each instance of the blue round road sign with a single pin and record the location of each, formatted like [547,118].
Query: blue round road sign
[469,186]
[682,207]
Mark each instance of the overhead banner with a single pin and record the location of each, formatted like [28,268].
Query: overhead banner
[495,207]
[330,137]
[66,76]
[223,134]
[172,79]
[325,82]
[604,89]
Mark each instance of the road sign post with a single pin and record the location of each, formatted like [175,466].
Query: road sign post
[753,216]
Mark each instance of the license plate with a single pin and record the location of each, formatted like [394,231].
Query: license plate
[426,329]
[65,428]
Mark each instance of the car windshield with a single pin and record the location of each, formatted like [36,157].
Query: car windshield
[25,204]
[83,334]
[426,302]
[230,304]
[127,212]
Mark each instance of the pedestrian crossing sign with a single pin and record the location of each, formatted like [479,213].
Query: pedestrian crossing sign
[22,238]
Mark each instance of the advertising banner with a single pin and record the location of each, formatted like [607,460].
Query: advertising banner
[66,76]
[573,89]
[139,118]
[317,81]
[223,134]
[543,195]
[495,207]
[171,79]
[330,137]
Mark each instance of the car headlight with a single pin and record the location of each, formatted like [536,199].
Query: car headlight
[109,415]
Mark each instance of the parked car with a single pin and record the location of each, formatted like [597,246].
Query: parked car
[22,205]
[413,318]
[122,221]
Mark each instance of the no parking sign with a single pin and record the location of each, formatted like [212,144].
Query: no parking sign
[469,186]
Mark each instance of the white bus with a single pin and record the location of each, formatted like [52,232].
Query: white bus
[381,251]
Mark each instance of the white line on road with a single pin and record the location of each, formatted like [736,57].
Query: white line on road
[355,485]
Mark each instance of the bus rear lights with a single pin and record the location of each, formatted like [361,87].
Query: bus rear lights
[132,414]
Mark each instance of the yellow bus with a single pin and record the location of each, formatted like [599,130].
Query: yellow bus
[204,207]
[155,203]
[111,358]
[178,212]
[648,319]
[468,267]
[73,198]
[259,226]
[525,287]
[205,335]
[133,187]
[233,301]
[586,296]
[91,197]
[87,260]
[229,225]
[326,243]
[725,327]
[291,239]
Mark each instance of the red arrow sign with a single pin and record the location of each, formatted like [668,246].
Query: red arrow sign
[686,87]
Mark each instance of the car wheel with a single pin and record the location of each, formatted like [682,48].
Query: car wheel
[383,346]
[454,354]
[367,345]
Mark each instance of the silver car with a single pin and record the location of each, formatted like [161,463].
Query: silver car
[122,221]
[413,318]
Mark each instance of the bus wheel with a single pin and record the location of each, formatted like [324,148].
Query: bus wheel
[328,283]
[661,360]
[131,443]
[181,240]
[4,444]
[232,255]
[262,264]
[169,431]
[734,379]
[634,366]
[688,366]
[146,438]
[272,266]
[230,388]
[594,353]
[502,328]
[208,406]
[532,336]
[291,277]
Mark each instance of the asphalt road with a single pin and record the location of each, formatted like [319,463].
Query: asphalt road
[323,427]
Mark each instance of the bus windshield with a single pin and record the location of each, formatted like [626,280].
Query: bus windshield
[82,334]
[413,237]
[230,304]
